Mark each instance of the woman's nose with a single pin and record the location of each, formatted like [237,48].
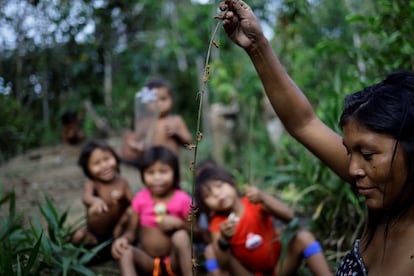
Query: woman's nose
[355,169]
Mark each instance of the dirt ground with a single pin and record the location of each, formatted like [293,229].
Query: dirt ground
[53,171]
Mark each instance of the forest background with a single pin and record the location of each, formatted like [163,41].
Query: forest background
[57,55]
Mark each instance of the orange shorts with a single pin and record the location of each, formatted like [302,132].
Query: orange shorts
[162,267]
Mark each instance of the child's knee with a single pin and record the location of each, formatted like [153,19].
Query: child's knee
[180,238]
[78,236]
[127,254]
[209,252]
[307,244]
[305,237]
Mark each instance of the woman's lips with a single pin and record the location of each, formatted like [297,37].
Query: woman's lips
[365,190]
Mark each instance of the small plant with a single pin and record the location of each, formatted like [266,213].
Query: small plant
[58,255]
[38,250]
[18,255]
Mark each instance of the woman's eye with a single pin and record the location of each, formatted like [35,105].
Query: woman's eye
[367,156]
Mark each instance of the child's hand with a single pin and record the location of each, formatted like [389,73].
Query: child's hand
[227,229]
[170,128]
[118,247]
[98,206]
[137,146]
[169,223]
[253,194]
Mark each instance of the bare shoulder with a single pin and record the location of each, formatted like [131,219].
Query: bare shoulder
[120,182]
[89,184]
[175,117]
[123,181]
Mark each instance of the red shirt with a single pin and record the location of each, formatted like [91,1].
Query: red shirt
[255,221]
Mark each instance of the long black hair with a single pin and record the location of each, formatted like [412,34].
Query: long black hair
[388,108]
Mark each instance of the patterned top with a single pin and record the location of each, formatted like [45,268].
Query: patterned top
[179,205]
[352,264]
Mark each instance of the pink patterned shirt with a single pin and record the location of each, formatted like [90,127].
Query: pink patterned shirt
[179,205]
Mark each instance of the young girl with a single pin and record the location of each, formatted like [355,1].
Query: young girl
[106,195]
[244,240]
[161,211]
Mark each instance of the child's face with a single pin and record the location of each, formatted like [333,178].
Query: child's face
[219,196]
[164,101]
[159,179]
[102,165]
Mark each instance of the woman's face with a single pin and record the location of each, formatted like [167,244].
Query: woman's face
[377,176]
[159,179]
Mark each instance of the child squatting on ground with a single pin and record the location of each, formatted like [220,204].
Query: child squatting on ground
[166,129]
[244,239]
[160,212]
[106,195]
[72,133]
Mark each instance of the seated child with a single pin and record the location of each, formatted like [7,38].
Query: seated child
[106,195]
[161,213]
[71,133]
[244,240]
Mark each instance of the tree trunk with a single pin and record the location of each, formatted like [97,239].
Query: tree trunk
[108,81]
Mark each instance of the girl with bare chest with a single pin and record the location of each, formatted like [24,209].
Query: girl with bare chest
[106,195]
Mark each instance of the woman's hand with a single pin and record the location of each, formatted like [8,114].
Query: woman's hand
[240,23]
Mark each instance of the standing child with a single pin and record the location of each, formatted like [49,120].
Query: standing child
[243,236]
[106,195]
[168,130]
[161,211]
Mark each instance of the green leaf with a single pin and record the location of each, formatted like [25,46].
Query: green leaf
[33,256]
[88,256]
[82,270]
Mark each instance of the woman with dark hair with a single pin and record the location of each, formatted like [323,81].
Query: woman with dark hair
[375,154]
